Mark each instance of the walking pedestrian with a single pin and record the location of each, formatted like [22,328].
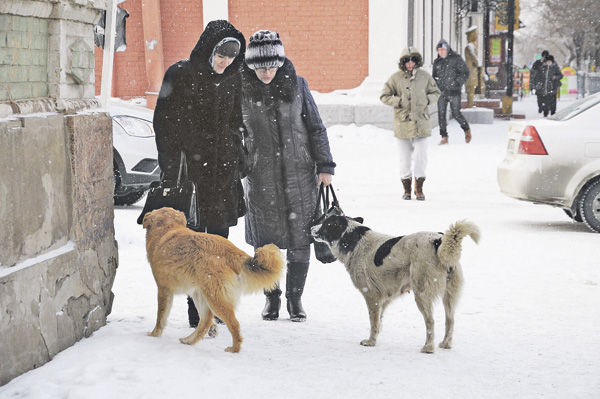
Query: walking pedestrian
[289,157]
[199,111]
[535,68]
[547,84]
[450,73]
[410,91]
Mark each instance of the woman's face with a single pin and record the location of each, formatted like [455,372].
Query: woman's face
[266,75]
[221,62]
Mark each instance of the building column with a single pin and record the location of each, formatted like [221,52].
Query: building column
[153,49]
[387,38]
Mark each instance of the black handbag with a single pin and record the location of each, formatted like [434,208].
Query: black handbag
[180,195]
[323,210]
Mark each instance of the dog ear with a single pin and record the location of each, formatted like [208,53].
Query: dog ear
[359,220]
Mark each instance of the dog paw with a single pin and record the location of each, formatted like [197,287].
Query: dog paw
[232,349]
[446,344]
[427,349]
[213,331]
[368,342]
[186,341]
[155,333]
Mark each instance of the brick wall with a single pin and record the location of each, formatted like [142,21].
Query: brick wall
[23,57]
[129,77]
[181,25]
[326,40]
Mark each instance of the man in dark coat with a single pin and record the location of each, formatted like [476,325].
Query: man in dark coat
[547,83]
[199,111]
[289,157]
[450,72]
[535,68]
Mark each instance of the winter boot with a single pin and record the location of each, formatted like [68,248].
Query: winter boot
[407,188]
[294,287]
[468,136]
[271,310]
[444,140]
[419,188]
[193,317]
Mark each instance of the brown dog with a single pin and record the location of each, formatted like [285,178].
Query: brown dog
[206,267]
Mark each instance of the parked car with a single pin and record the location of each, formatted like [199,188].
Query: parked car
[556,161]
[134,152]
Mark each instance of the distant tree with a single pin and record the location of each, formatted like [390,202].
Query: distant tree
[576,24]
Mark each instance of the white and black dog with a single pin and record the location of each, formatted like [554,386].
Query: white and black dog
[383,267]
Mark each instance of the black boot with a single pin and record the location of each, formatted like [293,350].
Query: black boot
[193,317]
[272,305]
[294,287]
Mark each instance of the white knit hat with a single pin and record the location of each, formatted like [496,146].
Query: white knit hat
[264,50]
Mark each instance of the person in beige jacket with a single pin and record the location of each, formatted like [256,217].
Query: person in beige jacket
[410,91]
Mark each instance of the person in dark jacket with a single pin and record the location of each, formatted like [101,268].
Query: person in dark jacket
[535,68]
[289,157]
[547,83]
[450,72]
[199,111]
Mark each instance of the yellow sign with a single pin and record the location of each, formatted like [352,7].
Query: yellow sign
[502,15]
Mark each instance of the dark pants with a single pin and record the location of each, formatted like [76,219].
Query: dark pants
[455,108]
[540,100]
[549,104]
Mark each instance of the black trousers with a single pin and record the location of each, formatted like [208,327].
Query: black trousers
[454,102]
[549,104]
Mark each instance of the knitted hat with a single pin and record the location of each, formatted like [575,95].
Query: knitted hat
[442,44]
[228,47]
[264,50]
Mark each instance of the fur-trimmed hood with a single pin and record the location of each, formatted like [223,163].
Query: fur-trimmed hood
[406,54]
[283,87]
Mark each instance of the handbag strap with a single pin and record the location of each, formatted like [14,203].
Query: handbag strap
[182,168]
[323,198]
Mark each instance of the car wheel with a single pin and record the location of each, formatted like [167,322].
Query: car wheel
[130,198]
[576,217]
[121,198]
[589,206]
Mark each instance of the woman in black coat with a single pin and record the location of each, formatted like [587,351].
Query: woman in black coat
[547,84]
[289,157]
[199,111]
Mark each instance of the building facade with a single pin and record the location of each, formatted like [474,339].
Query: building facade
[334,44]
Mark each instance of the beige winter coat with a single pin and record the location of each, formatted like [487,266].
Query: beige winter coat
[410,93]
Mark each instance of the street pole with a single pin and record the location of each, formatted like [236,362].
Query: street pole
[486,41]
[510,78]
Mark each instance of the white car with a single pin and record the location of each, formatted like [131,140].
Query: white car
[134,152]
[556,161]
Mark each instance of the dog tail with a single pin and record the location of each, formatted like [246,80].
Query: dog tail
[450,248]
[264,270]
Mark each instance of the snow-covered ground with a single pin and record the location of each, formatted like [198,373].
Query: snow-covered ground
[527,325]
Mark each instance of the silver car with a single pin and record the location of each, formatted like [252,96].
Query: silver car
[556,161]
[134,152]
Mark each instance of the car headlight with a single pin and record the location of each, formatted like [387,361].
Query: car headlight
[135,127]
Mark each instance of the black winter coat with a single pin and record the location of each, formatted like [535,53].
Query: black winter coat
[200,112]
[288,146]
[450,73]
[547,79]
